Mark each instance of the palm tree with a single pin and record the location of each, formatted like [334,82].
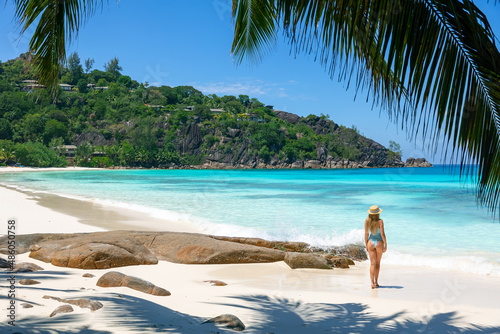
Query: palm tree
[7,154]
[58,23]
[431,64]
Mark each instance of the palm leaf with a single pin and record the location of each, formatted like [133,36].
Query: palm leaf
[431,63]
[256,28]
[58,22]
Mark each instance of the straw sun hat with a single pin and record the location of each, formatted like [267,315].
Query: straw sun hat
[374,209]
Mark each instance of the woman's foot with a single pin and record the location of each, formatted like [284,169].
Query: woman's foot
[374,286]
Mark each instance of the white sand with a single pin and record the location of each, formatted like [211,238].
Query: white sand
[268,298]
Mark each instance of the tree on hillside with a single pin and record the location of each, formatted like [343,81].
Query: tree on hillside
[113,67]
[89,63]
[244,99]
[5,129]
[102,83]
[431,63]
[82,86]
[125,80]
[96,75]
[75,68]
[7,152]
[395,149]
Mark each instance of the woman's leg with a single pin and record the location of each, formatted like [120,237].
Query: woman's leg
[372,252]
[378,252]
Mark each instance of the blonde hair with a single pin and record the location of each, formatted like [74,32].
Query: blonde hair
[373,225]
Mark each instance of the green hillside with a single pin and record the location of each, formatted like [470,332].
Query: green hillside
[104,119]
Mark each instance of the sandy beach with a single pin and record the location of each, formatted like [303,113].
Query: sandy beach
[267,298]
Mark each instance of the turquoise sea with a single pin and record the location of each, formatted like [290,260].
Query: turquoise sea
[431,216]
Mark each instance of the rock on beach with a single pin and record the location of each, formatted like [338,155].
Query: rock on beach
[116,279]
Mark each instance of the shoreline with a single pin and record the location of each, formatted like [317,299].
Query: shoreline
[211,166]
[268,297]
[102,217]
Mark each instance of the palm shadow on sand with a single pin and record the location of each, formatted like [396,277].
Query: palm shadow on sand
[280,315]
[124,313]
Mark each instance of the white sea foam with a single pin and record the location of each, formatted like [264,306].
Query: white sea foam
[321,240]
[470,264]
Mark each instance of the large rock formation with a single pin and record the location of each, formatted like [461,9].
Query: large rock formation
[93,251]
[102,250]
[282,245]
[112,249]
[287,116]
[234,148]
[420,162]
[201,249]
[371,154]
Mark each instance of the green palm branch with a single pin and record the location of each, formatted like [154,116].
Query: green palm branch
[57,22]
[432,64]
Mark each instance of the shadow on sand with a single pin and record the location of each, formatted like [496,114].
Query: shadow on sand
[128,314]
[121,313]
[288,316]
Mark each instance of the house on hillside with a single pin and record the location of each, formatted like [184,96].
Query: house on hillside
[69,151]
[32,87]
[217,111]
[156,107]
[98,154]
[253,117]
[66,87]
[189,108]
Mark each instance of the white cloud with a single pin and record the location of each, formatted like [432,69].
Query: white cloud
[255,88]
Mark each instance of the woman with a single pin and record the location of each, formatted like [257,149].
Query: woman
[375,242]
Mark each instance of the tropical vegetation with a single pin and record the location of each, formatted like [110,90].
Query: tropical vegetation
[113,120]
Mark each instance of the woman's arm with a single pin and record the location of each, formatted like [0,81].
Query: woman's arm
[366,233]
[382,233]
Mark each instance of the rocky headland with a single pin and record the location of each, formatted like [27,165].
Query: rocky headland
[233,147]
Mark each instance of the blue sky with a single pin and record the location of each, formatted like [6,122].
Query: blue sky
[188,42]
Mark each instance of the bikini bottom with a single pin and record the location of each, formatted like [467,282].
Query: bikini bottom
[374,241]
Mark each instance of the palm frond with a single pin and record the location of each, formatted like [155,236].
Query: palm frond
[432,63]
[58,23]
[255,28]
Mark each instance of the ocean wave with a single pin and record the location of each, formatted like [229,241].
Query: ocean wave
[474,264]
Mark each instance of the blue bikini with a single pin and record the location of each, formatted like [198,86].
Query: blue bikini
[375,238]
